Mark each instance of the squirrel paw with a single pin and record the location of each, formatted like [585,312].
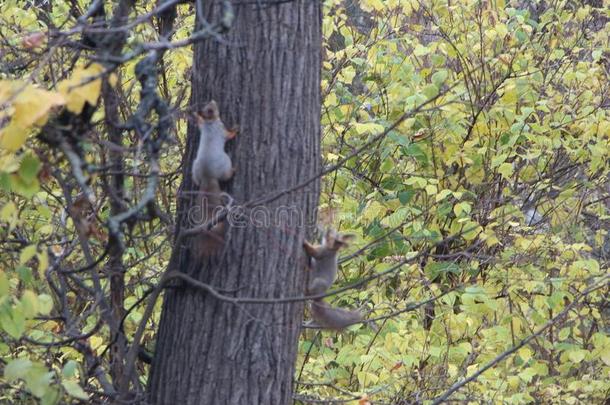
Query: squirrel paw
[231,133]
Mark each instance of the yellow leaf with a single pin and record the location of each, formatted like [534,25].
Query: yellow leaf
[491,240]
[29,302]
[12,137]
[45,304]
[605,356]
[6,88]
[513,381]
[97,343]
[43,262]
[420,182]
[407,9]
[347,74]
[331,157]
[582,13]
[331,100]
[113,79]
[443,194]
[603,128]
[370,127]
[502,30]
[452,370]
[26,105]
[27,253]
[373,210]
[510,94]
[525,353]
[84,86]
[576,356]
[9,162]
[462,207]
[32,105]
[8,211]
[506,170]
[370,5]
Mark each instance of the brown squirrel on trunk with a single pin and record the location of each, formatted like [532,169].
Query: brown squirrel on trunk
[211,165]
[323,276]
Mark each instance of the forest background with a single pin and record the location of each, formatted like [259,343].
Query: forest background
[465,143]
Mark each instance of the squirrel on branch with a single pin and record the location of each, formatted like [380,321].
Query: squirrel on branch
[324,273]
[211,166]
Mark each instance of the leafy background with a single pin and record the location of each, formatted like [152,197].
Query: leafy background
[479,195]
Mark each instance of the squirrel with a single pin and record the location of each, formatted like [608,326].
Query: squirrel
[211,166]
[324,274]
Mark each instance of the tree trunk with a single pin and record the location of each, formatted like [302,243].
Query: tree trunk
[266,79]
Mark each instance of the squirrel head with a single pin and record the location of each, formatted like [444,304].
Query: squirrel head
[335,241]
[208,113]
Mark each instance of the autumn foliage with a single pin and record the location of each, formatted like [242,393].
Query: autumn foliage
[469,143]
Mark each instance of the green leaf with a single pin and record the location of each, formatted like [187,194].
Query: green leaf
[45,304]
[399,138]
[51,396]
[527,374]
[498,160]
[17,368]
[13,321]
[506,170]
[29,304]
[414,150]
[5,181]
[430,91]
[69,369]
[440,77]
[25,274]
[28,170]
[26,190]
[38,380]
[405,196]
[4,285]
[73,389]
[438,60]
[439,268]
[521,35]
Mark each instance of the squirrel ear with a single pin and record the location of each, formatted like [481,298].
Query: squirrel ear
[345,239]
[330,237]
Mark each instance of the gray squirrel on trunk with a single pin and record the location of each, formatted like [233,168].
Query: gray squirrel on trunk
[211,166]
[324,266]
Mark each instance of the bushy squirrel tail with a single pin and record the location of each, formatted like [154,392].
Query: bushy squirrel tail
[329,317]
[208,242]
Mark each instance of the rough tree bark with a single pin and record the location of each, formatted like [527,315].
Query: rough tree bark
[266,79]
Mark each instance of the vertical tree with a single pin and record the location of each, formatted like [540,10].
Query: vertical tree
[265,77]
